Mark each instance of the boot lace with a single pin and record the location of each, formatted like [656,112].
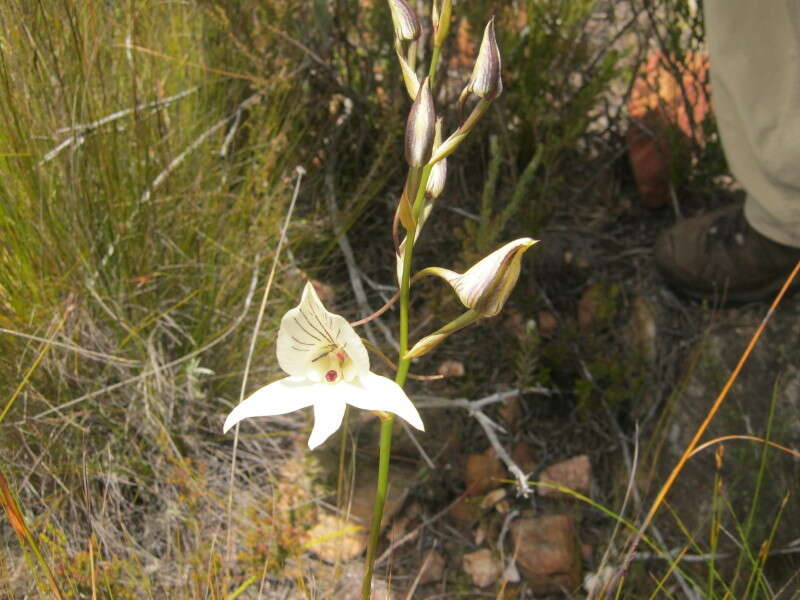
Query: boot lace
[730,228]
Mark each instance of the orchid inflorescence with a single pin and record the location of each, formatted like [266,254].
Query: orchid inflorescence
[326,361]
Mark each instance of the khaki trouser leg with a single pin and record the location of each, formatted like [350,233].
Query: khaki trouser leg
[754,48]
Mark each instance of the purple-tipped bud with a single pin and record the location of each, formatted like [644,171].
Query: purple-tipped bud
[485,81]
[420,127]
[406,23]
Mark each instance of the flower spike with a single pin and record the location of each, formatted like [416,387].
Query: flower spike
[328,368]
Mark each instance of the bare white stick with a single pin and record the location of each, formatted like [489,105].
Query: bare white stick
[353,270]
[300,172]
[474,408]
[79,130]
[175,162]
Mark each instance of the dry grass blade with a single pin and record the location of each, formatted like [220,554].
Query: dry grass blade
[300,172]
[24,534]
[688,453]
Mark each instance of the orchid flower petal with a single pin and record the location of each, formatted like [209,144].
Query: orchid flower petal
[328,415]
[308,333]
[280,397]
[374,392]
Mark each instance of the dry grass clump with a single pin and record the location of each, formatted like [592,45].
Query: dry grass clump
[147,165]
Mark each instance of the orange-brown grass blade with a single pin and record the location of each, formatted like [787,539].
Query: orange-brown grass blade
[23,533]
[688,453]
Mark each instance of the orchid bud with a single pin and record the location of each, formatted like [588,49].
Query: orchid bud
[438,175]
[406,23]
[429,342]
[486,285]
[485,81]
[420,127]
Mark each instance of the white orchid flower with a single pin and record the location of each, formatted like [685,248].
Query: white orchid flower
[328,369]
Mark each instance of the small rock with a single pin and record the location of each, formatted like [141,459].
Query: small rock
[451,368]
[515,322]
[574,473]
[547,552]
[493,498]
[364,494]
[334,539]
[483,567]
[547,322]
[466,510]
[482,471]
[432,567]
[642,328]
[597,305]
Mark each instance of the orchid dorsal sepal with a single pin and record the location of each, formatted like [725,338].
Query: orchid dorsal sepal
[486,285]
[328,368]
[405,21]
[429,342]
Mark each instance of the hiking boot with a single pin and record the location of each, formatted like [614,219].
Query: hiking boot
[720,256]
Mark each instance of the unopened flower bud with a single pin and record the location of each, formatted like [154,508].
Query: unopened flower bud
[406,23]
[420,127]
[486,285]
[485,81]
[441,21]
[429,342]
[438,175]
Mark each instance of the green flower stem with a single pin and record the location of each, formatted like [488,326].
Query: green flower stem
[380,500]
[402,372]
[402,367]
[437,50]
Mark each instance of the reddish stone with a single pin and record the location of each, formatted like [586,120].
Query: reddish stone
[574,473]
[547,551]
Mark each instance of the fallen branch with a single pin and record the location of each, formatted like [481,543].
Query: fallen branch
[79,131]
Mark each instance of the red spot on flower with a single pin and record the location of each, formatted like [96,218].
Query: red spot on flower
[331,376]
[341,356]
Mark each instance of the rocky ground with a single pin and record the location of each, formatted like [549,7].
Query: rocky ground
[645,367]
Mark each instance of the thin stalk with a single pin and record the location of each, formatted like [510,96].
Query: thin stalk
[437,50]
[402,372]
[403,365]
